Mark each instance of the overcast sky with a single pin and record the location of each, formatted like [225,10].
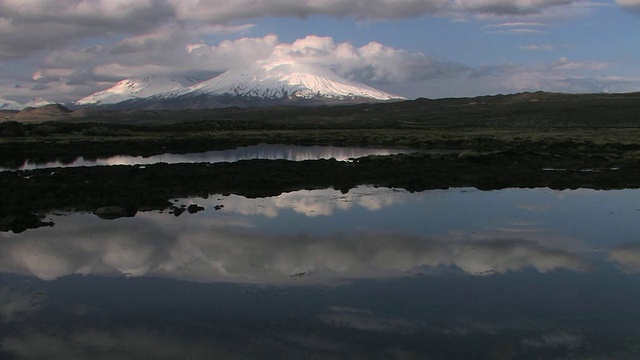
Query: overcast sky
[63,50]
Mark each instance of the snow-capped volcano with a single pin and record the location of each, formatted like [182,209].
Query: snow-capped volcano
[285,81]
[137,88]
[261,84]
[10,105]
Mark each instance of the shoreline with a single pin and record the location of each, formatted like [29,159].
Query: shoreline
[151,187]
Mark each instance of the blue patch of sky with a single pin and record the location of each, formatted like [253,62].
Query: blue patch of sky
[609,36]
[442,38]
[20,69]
[606,34]
[433,36]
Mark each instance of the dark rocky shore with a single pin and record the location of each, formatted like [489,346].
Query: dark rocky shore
[151,187]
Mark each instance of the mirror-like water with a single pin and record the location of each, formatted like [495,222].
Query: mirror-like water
[261,151]
[374,273]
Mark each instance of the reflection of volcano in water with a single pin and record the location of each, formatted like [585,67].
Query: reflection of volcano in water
[261,151]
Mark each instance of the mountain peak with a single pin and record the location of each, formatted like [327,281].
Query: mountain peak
[287,80]
[37,102]
[10,105]
[134,88]
[52,107]
[264,83]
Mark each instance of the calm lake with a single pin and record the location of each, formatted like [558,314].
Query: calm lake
[260,151]
[374,273]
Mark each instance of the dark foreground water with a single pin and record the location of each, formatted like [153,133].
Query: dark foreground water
[261,151]
[371,274]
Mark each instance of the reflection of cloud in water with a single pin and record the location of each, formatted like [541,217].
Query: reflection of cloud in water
[315,202]
[128,344]
[536,207]
[627,257]
[224,343]
[555,340]
[140,247]
[14,303]
[367,321]
[97,247]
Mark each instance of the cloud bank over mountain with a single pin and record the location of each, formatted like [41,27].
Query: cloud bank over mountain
[67,49]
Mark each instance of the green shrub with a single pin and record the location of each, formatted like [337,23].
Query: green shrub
[43,130]
[469,154]
[105,131]
[12,129]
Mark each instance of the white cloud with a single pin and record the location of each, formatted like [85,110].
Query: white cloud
[518,24]
[62,78]
[519,31]
[70,9]
[171,51]
[565,64]
[206,29]
[509,7]
[517,27]
[118,71]
[29,26]
[221,11]
[224,11]
[72,58]
[629,4]
[373,63]
[397,71]
[537,48]
[171,37]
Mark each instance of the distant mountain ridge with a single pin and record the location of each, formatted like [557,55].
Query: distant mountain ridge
[10,105]
[16,106]
[521,110]
[261,84]
[37,102]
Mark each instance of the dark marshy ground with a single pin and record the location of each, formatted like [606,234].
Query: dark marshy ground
[525,140]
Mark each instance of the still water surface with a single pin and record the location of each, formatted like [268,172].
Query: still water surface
[260,151]
[373,273]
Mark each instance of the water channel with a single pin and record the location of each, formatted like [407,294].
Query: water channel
[260,151]
[374,273]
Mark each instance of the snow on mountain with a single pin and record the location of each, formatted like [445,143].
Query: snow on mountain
[264,83]
[37,102]
[10,105]
[285,80]
[137,88]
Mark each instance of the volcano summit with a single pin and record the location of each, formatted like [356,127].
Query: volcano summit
[260,84]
